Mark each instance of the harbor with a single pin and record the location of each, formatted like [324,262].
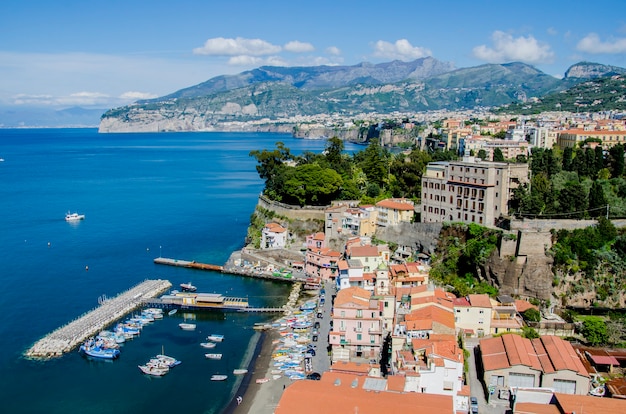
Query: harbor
[69,336]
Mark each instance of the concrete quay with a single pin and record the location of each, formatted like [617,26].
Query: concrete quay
[67,337]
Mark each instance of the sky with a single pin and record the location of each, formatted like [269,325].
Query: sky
[66,53]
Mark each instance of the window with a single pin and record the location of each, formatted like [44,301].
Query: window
[358,337]
[359,313]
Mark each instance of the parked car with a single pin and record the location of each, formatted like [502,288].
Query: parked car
[474,405]
[319,314]
[314,376]
[316,325]
[314,338]
[310,352]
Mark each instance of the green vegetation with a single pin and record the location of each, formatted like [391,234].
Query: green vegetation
[462,250]
[607,93]
[317,179]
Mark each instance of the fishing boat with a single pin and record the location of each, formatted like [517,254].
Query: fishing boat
[168,360]
[215,338]
[187,326]
[208,345]
[240,371]
[74,216]
[96,350]
[188,287]
[173,311]
[218,377]
[153,370]
[213,356]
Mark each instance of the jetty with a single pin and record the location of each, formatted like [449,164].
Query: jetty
[186,263]
[67,337]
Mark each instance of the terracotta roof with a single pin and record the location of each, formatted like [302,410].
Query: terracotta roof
[363,251]
[461,302]
[396,204]
[535,408]
[318,236]
[275,227]
[351,367]
[523,305]
[465,391]
[432,313]
[335,393]
[396,383]
[592,405]
[481,300]
[353,294]
[547,354]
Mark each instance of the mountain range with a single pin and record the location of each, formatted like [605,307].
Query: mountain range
[272,94]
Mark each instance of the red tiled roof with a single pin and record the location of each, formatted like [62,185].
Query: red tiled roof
[481,300]
[396,383]
[394,204]
[353,294]
[523,305]
[363,251]
[335,393]
[432,313]
[592,405]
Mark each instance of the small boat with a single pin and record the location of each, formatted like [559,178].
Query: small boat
[74,216]
[215,338]
[188,287]
[153,370]
[213,356]
[168,360]
[262,380]
[173,311]
[208,345]
[187,326]
[97,351]
[218,377]
[240,371]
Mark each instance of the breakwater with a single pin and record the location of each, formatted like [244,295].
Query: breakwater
[67,337]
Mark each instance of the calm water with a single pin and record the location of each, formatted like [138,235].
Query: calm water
[187,196]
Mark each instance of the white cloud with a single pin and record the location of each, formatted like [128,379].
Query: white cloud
[592,44]
[333,50]
[220,46]
[552,31]
[298,47]
[401,50]
[506,49]
[135,96]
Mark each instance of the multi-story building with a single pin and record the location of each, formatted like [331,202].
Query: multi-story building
[273,236]
[357,327]
[316,241]
[321,263]
[469,191]
[371,257]
[472,315]
[572,137]
[359,221]
[393,211]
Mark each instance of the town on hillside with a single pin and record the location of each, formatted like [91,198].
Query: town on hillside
[402,333]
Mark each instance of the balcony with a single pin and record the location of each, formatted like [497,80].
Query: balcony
[344,342]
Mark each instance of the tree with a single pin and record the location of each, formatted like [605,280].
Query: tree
[374,163]
[532,315]
[616,160]
[597,200]
[573,199]
[568,158]
[594,330]
[482,154]
[311,184]
[529,333]
[497,155]
[271,168]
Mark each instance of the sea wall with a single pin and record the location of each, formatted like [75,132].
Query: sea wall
[292,212]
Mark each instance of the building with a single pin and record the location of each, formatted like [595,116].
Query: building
[359,221]
[472,315]
[393,211]
[469,191]
[273,236]
[357,327]
[573,137]
[511,361]
[408,275]
[321,263]
[316,241]
[338,392]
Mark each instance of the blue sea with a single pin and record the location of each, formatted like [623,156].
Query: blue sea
[179,195]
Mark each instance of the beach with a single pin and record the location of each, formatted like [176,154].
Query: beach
[260,398]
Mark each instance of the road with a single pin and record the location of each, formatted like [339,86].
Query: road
[476,387]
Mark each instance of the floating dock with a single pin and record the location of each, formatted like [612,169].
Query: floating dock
[76,332]
[190,264]
[199,301]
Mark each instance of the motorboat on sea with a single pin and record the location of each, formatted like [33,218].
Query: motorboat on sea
[96,349]
[187,326]
[188,287]
[213,356]
[173,311]
[215,338]
[218,377]
[74,216]
[153,370]
[208,345]
[240,371]
[171,362]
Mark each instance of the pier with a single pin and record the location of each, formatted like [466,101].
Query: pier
[189,264]
[67,337]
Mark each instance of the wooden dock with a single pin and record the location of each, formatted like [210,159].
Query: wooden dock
[186,263]
[67,337]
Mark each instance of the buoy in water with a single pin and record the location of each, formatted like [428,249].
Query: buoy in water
[86,268]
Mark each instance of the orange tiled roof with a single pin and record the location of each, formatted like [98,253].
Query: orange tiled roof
[396,204]
[396,383]
[363,251]
[592,405]
[434,314]
[354,295]
[480,300]
[335,393]
[275,227]
[350,367]
[523,305]
[535,408]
